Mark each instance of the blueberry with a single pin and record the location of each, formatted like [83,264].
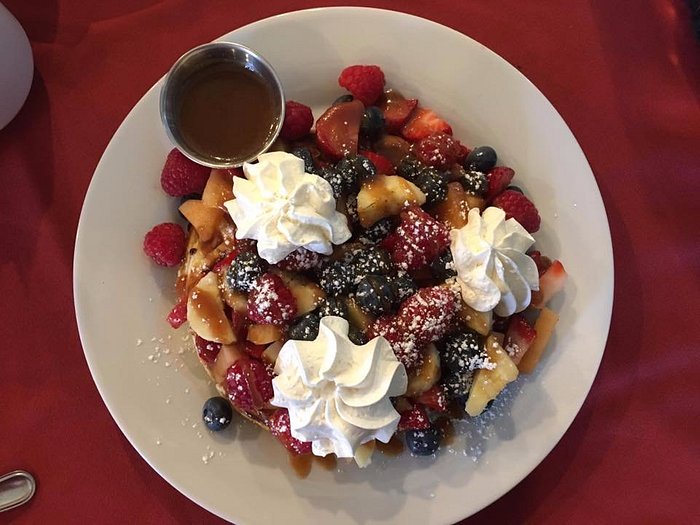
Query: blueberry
[463,351]
[378,230]
[375,294]
[409,168]
[244,271]
[373,260]
[305,155]
[333,306]
[476,183]
[481,159]
[515,188]
[372,123]
[217,413]
[404,287]
[442,268]
[337,278]
[357,336]
[423,442]
[433,184]
[341,99]
[305,328]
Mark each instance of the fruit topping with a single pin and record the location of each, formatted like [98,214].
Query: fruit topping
[165,244]
[481,158]
[480,322]
[542,261]
[424,442]
[475,183]
[489,382]
[386,196]
[372,123]
[442,268]
[423,318]
[281,428]
[181,176]
[552,281]
[205,311]
[377,231]
[337,130]
[423,123]
[432,184]
[544,326]
[519,207]
[515,188]
[217,413]
[382,164]
[416,418]
[336,306]
[270,301]
[417,240]
[178,315]
[205,219]
[425,376]
[454,210]
[337,278]
[308,158]
[305,328]
[366,83]
[499,178]
[298,121]
[439,150]
[372,260]
[248,385]
[404,287]
[244,271]
[519,337]
[396,110]
[375,294]
[300,260]
[463,351]
[263,334]
[434,398]
[392,148]
[355,168]
[207,351]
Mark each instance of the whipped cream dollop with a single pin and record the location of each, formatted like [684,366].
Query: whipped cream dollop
[338,393]
[284,208]
[492,268]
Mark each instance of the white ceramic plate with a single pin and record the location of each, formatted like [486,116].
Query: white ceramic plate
[122,298]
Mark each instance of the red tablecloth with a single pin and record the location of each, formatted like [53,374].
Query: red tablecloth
[626,78]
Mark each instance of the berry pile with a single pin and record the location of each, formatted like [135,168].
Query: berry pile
[403,181]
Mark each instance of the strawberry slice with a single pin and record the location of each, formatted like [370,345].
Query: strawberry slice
[552,282]
[423,123]
[383,165]
[281,428]
[337,130]
[249,385]
[434,398]
[396,111]
[178,315]
[208,350]
[414,419]
[499,178]
[519,337]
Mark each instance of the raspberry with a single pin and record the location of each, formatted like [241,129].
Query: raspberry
[207,350]
[439,150]
[499,179]
[248,385]
[165,244]
[417,240]
[178,315]
[434,398]
[366,83]
[281,428]
[423,318]
[300,260]
[383,165]
[298,120]
[519,207]
[181,176]
[415,419]
[270,301]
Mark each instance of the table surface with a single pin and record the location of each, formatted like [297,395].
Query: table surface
[625,78]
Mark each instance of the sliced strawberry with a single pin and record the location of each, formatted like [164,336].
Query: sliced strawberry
[423,123]
[338,129]
[396,111]
[207,350]
[239,324]
[519,337]
[270,301]
[178,315]
[414,419]
[281,428]
[253,350]
[249,385]
[225,261]
[551,282]
[499,179]
[383,165]
[434,398]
